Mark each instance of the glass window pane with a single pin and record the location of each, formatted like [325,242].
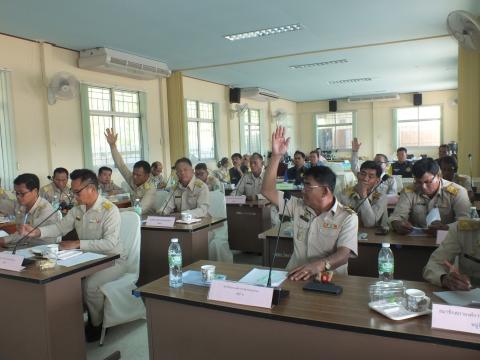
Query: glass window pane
[254,116]
[429,133]
[407,113]
[325,137]
[100,150]
[191,109]
[193,141]
[343,118]
[99,99]
[207,143]
[126,101]
[408,134]
[429,112]
[128,143]
[343,137]
[325,119]
[206,111]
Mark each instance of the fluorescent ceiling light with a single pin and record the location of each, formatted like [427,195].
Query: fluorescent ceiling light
[349,81]
[264,32]
[322,63]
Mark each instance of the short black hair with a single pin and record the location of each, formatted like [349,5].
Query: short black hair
[104,168]
[201,166]
[256,155]
[60,170]
[385,158]
[372,165]
[444,146]
[448,161]
[315,152]
[236,155]
[31,181]
[322,175]
[155,164]
[425,165]
[144,165]
[222,162]
[402,149]
[85,175]
[298,152]
[183,160]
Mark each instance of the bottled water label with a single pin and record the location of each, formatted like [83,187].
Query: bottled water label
[385,267]
[175,261]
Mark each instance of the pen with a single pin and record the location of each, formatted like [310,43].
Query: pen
[453,269]
[473,258]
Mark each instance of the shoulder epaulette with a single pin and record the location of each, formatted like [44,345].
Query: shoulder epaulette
[376,195]
[452,190]
[349,191]
[147,185]
[198,183]
[468,225]
[409,188]
[349,210]
[107,205]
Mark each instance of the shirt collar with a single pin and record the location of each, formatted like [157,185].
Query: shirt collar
[36,205]
[97,205]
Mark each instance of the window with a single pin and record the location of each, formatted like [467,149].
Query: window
[334,130]
[8,169]
[117,109]
[418,126]
[201,131]
[251,131]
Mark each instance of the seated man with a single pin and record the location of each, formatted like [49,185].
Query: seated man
[236,171]
[189,194]
[325,232]
[97,222]
[297,171]
[429,193]
[316,159]
[139,180]
[157,177]
[449,167]
[201,172]
[443,150]
[461,241]
[402,166]
[59,188]
[105,183]
[31,209]
[245,167]
[372,211]
[389,186]
[251,183]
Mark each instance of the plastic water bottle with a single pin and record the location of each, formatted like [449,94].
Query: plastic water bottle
[473,213]
[137,207]
[175,264]
[385,263]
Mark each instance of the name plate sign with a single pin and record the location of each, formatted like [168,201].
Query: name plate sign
[456,318]
[11,262]
[161,221]
[235,199]
[239,293]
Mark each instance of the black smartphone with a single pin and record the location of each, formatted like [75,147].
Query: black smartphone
[324,288]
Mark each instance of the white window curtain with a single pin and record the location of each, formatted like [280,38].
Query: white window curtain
[8,168]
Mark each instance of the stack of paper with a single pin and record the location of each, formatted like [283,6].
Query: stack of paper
[260,277]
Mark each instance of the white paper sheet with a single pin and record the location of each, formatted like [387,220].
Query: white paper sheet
[260,277]
[459,298]
[88,256]
[3,233]
[433,215]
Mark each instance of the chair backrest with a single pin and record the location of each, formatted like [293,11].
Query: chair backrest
[218,207]
[399,182]
[160,198]
[130,238]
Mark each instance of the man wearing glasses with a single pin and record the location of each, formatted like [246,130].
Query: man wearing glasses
[58,187]
[325,232]
[97,222]
[372,211]
[31,209]
[442,200]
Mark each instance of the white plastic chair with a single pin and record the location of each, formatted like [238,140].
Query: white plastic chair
[120,305]
[218,248]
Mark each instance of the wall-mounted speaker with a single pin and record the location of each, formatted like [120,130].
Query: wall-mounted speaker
[417,99]
[332,105]
[235,96]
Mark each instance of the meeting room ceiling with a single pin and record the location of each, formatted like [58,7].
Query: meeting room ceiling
[362,47]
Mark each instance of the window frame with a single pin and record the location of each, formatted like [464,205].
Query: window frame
[396,121]
[243,123]
[354,128]
[7,132]
[86,126]
[199,120]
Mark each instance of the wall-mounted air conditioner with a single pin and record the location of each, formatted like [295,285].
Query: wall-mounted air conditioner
[258,94]
[119,63]
[375,97]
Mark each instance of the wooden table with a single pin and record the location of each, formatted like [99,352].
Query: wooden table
[193,240]
[411,253]
[183,324]
[42,311]
[245,222]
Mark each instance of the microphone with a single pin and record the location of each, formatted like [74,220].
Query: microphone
[384,178]
[168,200]
[278,293]
[471,170]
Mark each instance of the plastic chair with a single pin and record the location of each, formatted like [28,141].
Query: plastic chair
[120,305]
[218,248]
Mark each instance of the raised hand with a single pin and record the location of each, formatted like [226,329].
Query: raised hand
[279,143]
[111,136]
[355,144]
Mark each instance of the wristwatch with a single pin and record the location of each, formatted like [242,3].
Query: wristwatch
[327,265]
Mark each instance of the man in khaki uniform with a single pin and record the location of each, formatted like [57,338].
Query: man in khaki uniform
[372,211]
[463,240]
[250,183]
[201,172]
[190,194]
[430,191]
[157,177]
[105,183]
[449,167]
[58,187]
[31,209]
[97,222]
[325,232]
[138,180]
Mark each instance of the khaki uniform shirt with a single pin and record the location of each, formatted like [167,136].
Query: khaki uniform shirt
[388,187]
[50,190]
[41,210]
[316,237]
[463,180]
[372,212]
[194,198]
[222,174]
[98,228]
[110,188]
[463,238]
[158,181]
[7,205]
[451,199]
[214,184]
[250,185]
[146,192]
